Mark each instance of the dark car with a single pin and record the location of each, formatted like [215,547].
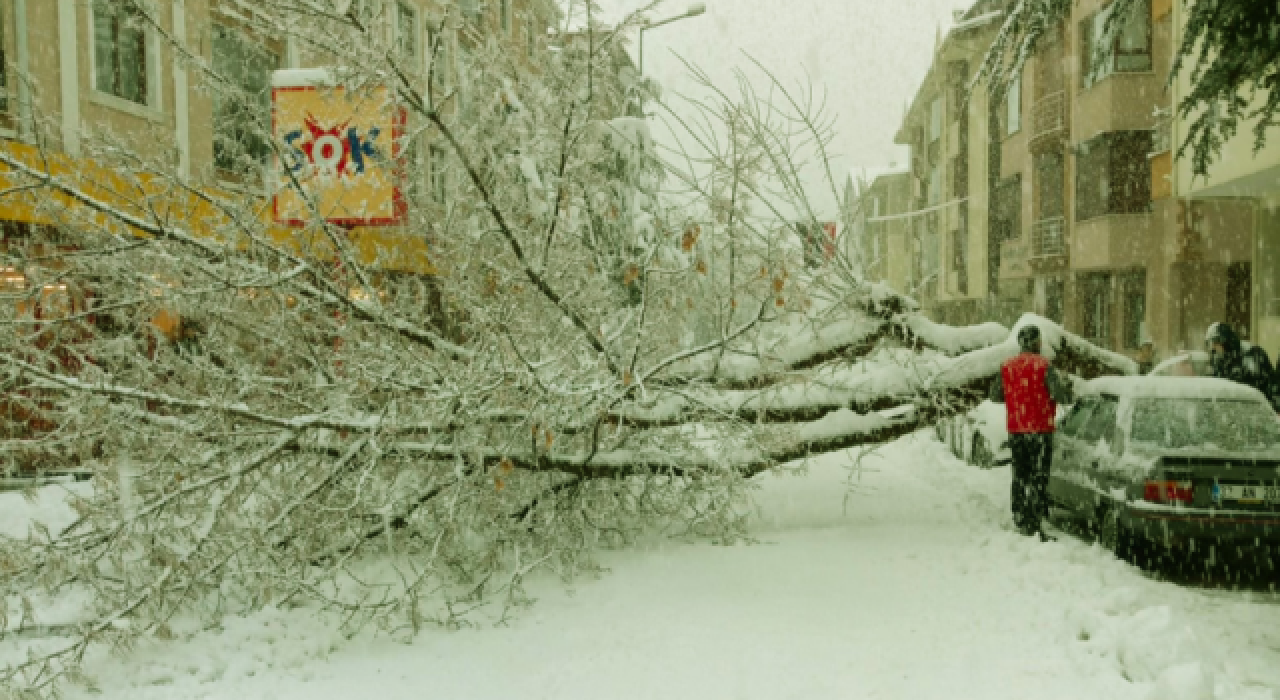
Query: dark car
[1160,465]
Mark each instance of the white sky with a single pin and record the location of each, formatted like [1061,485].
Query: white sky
[869,55]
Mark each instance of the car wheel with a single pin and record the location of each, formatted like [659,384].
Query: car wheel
[981,454]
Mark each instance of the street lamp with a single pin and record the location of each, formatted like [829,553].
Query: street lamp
[694,10]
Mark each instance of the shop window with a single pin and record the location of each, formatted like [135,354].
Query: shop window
[1134,289]
[1095,300]
[1129,52]
[1113,174]
[120,52]
[241,117]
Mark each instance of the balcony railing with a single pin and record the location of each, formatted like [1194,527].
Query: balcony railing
[1048,238]
[1049,118]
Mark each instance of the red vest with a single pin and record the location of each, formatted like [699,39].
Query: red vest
[1026,394]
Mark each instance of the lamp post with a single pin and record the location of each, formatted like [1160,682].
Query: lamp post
[694,10]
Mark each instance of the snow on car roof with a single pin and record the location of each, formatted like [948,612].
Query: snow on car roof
[1174,388]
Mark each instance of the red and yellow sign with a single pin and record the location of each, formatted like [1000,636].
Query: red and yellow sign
[341,152]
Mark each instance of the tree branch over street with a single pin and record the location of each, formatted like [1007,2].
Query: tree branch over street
[576,337]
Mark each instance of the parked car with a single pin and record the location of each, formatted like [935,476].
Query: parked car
[979,437]
[1158,465]
[1188,364]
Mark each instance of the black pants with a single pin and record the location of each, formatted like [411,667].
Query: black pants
[1032,457]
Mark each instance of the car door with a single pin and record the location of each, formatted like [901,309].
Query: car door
[1095,459]
[1064,474]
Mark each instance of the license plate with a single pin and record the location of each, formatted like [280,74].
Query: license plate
[1247,493]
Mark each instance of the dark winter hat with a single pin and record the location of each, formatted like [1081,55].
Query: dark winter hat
[1029,339]
[1219,333]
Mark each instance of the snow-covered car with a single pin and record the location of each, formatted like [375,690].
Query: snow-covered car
[1188,364]
[979,437]
[1158,465]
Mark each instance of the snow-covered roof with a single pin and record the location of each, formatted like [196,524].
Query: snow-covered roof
[1175,388]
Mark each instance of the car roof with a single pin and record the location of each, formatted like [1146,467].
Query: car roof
[1174,388]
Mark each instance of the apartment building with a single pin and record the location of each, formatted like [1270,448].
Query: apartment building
[1071,205]
[1108,249]
[946,128]
[1248,183]
[76,73]
[882,227]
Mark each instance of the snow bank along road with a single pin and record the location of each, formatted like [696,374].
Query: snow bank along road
[919,591]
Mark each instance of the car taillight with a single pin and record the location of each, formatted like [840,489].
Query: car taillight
[1169,492]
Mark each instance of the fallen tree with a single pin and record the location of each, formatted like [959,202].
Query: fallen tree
[267,422]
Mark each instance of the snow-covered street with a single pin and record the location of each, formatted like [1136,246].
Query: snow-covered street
[914,588]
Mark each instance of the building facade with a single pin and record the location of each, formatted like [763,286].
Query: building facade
[947,129]
[80,73]
[1073,204]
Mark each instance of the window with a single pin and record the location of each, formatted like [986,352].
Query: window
[242,119]
[439,65]
[4,61]
[960,176]
[1240,298]
[1075,422]
[439,179]
[1113,174]
[1134,289]
[935,185]
[366,10]
[406,30]
[1008,209]
[1175,424]
[470,9]
[504,15]
[1013,106]
[1055,296]
[1095,298]
[1102,420]
[532,48]
[960,252]
[1129,52]
[120,52]
[935,120]
[1050,182]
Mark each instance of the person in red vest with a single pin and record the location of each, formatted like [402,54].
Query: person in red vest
[1031,390]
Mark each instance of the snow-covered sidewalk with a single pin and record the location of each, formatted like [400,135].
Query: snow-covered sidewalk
[913,589]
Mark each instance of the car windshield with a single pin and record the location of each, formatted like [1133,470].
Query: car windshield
[1220,424]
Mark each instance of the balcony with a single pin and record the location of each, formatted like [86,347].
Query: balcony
[1048,238]
[1049,122]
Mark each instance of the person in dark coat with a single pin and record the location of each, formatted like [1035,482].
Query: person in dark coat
[1229,359]
[1031,390]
